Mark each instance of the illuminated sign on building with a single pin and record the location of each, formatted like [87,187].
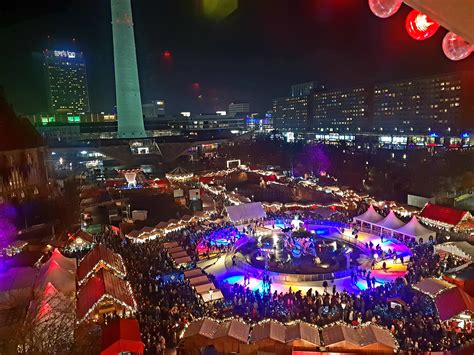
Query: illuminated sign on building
[65,54]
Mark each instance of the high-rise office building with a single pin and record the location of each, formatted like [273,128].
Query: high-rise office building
[153,109]
[127,86]
[238,108]
[344,110]
[290,113]
[304,89]
[442,103]
[66,79]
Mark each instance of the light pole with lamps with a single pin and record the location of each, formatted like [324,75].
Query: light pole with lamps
[343,306]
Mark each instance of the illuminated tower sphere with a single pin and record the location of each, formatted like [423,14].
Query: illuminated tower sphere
[127,87]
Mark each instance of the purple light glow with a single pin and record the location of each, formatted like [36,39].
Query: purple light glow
[7,226]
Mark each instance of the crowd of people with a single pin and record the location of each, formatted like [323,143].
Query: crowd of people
[166,302]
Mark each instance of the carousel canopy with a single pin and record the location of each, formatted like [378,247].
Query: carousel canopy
[234,329]
[446,215]
[414,229]
[391,221]
[97,258]
[122,336]
[432,287]
[453,302]
[463,249]
[369,216]
[269,330]
[103,285]
[246,211]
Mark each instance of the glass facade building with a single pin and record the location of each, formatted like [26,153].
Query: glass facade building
[66,80]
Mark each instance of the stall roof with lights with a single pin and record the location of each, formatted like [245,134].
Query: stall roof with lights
[99,257]
[122,336]
[103,285]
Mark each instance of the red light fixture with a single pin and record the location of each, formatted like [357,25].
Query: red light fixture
[166,54]
[384,8]
[455,47]
[419,26]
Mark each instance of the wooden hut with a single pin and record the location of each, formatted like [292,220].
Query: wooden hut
[302,336]
[230,336]
[199,334]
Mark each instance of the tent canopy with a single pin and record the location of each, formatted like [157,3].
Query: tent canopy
[446,215]
[453,302]
[462,249]
[414,229]
[432,287]
[63,280]
[391,221]
[369,216]
[246,211]
[120,336]
[69,264]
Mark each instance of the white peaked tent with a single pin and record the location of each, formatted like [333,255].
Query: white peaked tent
[414,229]
[369,217]
[246,212]
[390,223]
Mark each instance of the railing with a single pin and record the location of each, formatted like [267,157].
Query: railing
[244,265]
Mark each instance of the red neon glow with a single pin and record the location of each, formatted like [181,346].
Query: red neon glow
[419,26]
[167,54]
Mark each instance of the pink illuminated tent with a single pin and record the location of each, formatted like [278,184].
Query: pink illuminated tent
[52,273]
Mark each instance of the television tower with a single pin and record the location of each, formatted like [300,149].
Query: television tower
[127,86]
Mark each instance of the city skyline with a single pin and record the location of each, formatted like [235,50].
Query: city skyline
[235,63]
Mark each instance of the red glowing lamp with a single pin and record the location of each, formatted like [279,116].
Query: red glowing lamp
[166,54]
[419,26]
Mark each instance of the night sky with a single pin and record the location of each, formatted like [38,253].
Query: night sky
[254,55]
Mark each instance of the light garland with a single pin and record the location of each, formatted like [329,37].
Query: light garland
[293,322]
[102,264]
[107,297]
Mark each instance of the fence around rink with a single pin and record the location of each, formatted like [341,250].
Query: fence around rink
[242,263]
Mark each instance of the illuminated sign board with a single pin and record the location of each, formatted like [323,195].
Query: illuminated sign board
[65,54]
